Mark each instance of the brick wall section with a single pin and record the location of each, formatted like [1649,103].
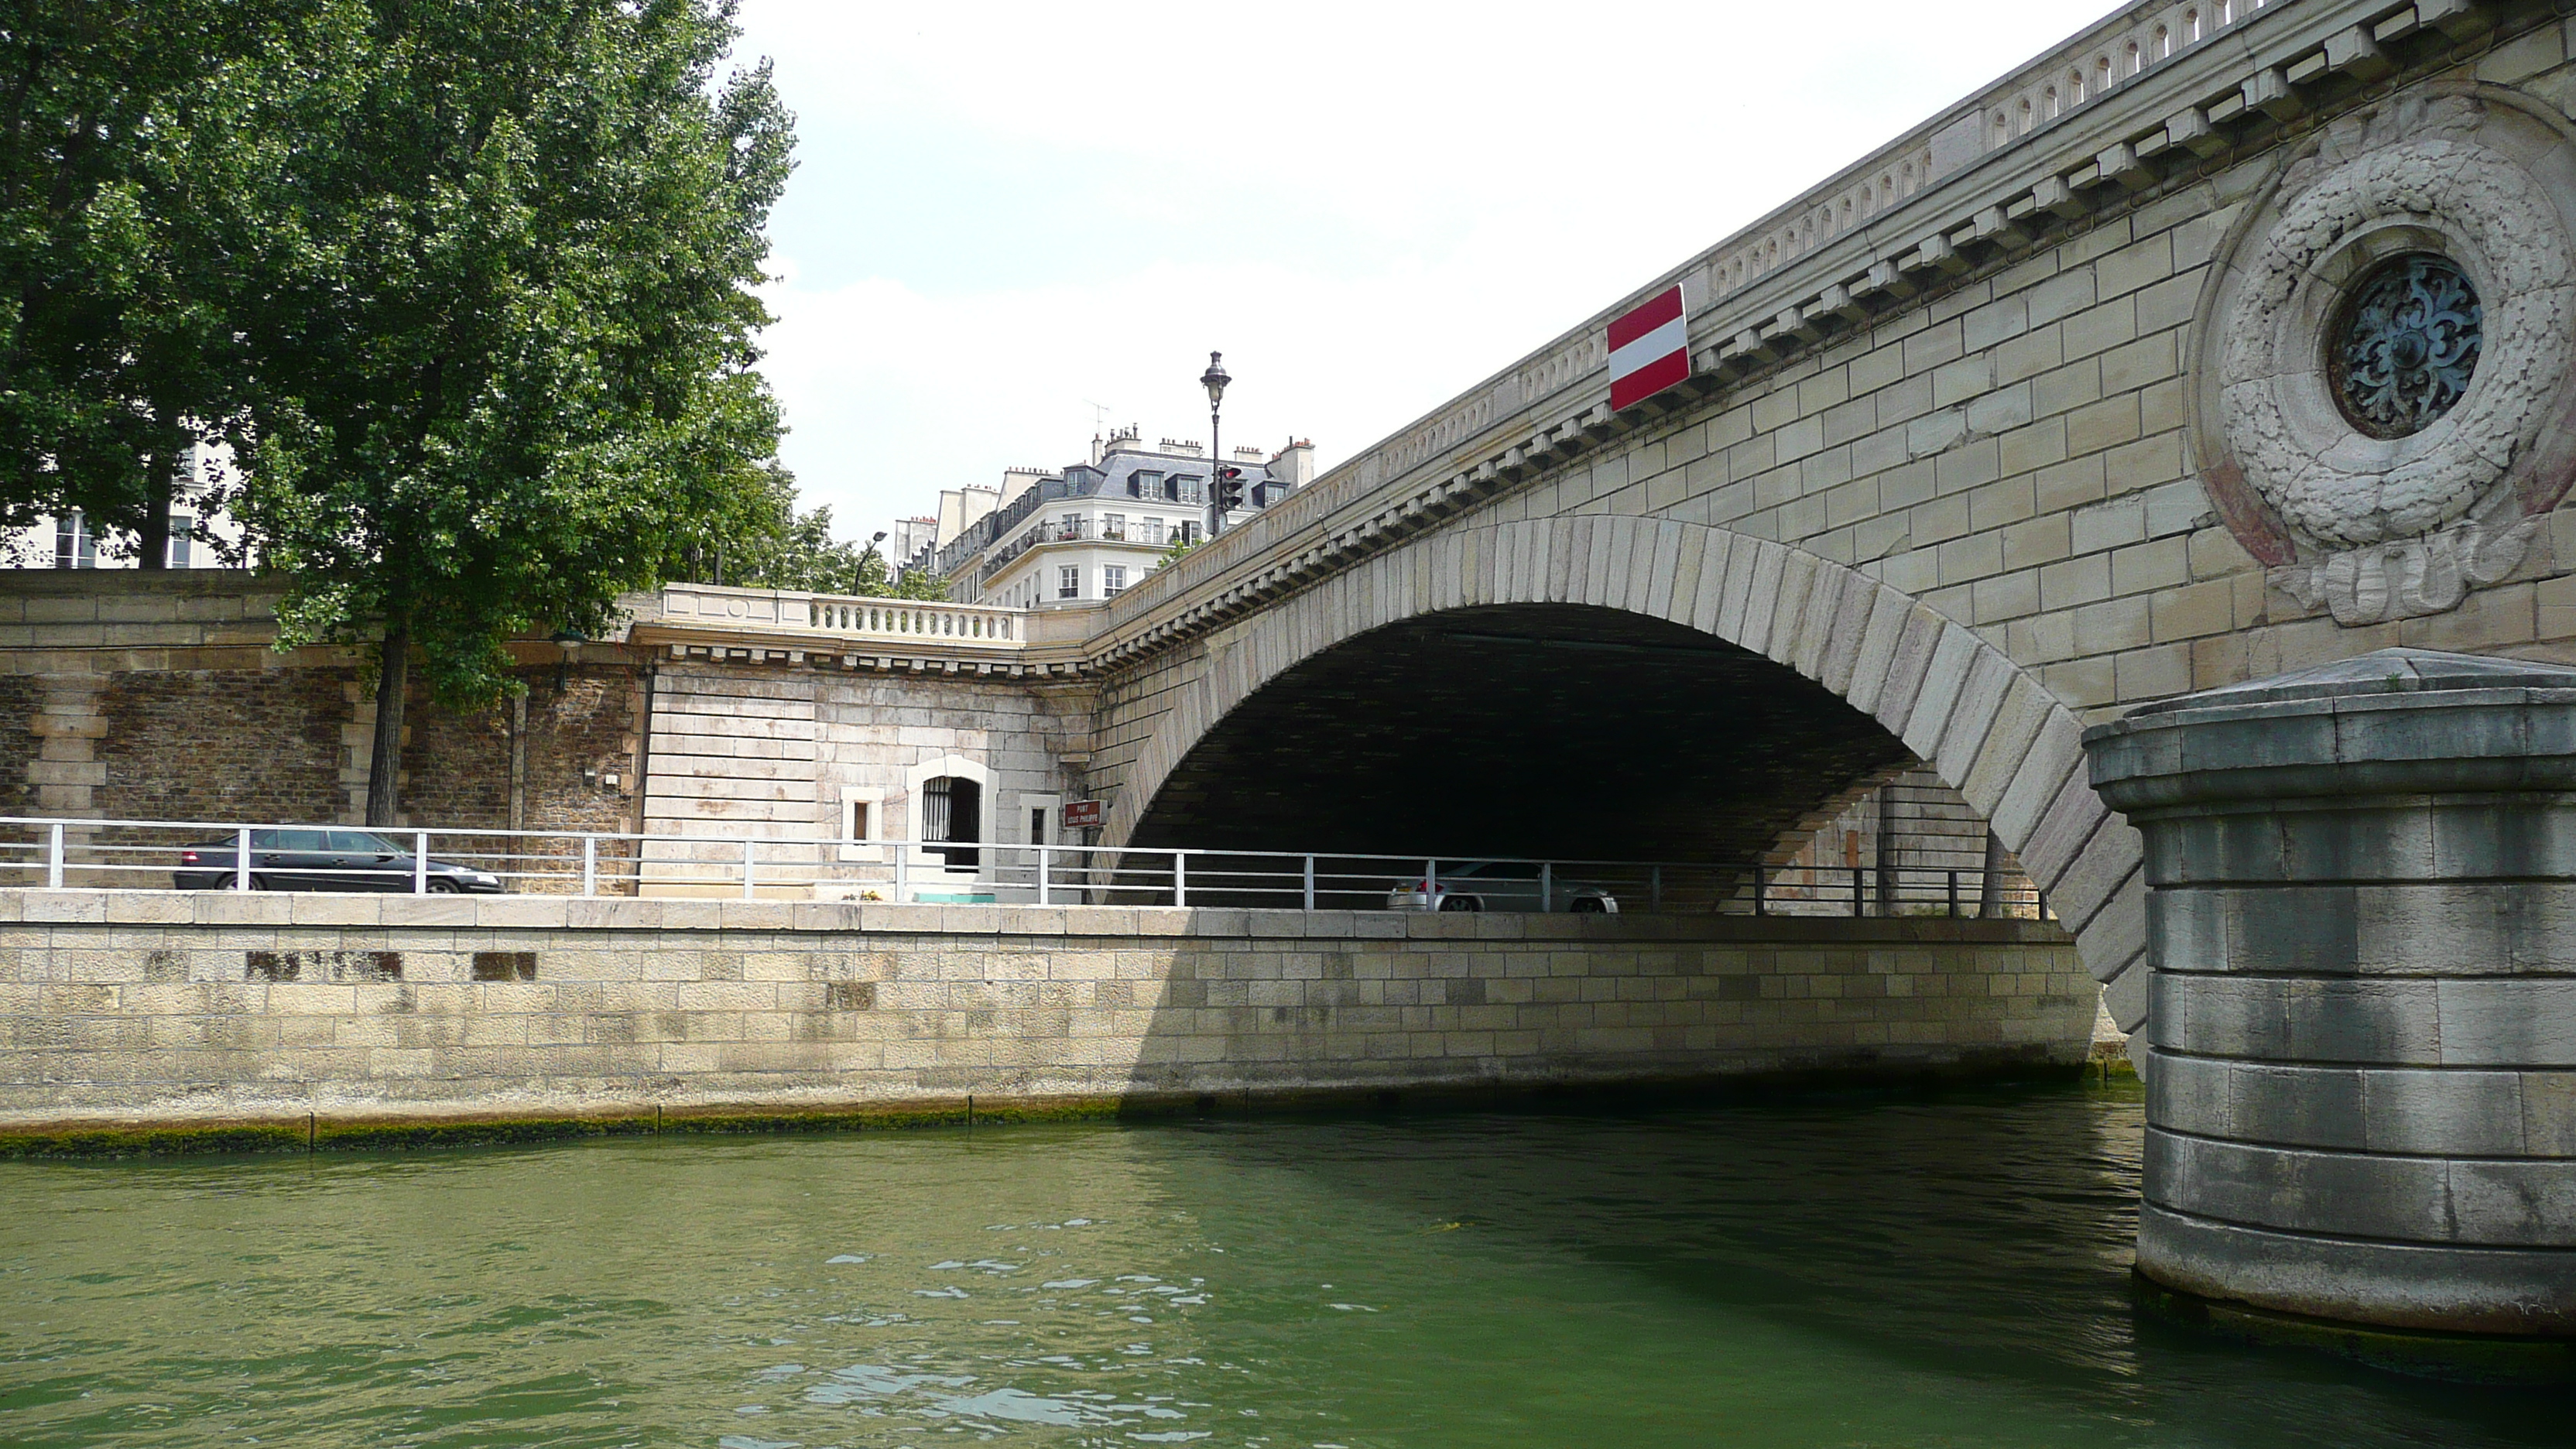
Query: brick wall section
[578,735]
[222,744]
[456,768]
[177,1008]
[158,696]
[20,697]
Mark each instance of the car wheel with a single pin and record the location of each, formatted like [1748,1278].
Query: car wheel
[440,885]
[1461,903]
[260,883]
[1586,906]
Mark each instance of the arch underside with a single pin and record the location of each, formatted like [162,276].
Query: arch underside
[1556,730]
[1490,685]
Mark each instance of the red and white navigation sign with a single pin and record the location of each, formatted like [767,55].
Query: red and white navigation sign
[1649,349]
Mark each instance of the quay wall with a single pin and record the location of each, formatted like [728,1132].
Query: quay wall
[164,1010]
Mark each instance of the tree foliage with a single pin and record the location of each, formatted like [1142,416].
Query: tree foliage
[465,287]
[503,324]
[123,188]
[505,321]
[789,549]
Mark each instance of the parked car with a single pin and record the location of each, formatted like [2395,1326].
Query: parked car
[322,860]
[1500,885]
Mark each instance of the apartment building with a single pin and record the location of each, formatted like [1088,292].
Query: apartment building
[1089,531]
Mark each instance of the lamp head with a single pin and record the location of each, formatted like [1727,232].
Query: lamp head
[1214,379]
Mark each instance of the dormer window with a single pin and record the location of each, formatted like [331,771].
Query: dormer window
[1142,484]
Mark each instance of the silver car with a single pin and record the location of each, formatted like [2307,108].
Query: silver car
[1499,885]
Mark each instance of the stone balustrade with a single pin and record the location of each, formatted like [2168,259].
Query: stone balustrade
[1790,287]
[844,616]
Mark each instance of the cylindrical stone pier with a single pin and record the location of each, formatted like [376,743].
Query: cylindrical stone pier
[2361,1075]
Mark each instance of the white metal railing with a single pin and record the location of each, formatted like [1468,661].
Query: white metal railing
[845,616]
[80,854]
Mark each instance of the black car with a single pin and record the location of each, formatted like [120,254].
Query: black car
[322,860]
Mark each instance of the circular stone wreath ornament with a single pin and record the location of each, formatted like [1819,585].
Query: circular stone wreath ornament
[2384,419]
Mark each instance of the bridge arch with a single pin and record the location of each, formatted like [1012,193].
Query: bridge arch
[1984,724]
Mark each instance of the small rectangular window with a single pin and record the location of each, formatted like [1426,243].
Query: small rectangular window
[1113,579]
[1187,490]
[75,547]
[1113,525]
[1141,484]
[1153,533]
[180,554]
[862,819]
[1068,582]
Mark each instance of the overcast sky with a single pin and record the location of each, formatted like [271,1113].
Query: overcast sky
[1004,215]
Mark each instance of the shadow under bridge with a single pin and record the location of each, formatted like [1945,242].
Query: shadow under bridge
[1555,731]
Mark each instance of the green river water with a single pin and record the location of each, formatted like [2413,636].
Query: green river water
[1868,1269]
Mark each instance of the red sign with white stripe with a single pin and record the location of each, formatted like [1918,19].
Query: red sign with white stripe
[1649,349]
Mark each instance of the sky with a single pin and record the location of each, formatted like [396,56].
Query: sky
[1012,226]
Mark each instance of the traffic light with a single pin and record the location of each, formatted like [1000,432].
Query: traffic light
[1226,489]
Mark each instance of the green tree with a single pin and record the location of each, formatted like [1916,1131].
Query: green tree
[783,548]
[879,580]
[505,335]
[121,189]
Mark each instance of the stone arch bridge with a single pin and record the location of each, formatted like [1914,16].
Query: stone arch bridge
[2011,426]
[2037,414]
[2227,341]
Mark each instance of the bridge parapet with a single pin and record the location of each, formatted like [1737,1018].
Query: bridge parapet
[1791,284]
[757,625]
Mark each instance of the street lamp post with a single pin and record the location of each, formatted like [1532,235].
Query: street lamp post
[1214,380]
[859,575]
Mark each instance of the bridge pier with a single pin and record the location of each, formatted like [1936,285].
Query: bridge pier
[2362,927]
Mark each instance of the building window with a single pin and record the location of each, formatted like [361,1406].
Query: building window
[1141,484]
[1153,531]
[74,546]
[952,808]
[1184,490]
[862,818]
[181,555]
[1113,579]
[1068,582]
[1113,525]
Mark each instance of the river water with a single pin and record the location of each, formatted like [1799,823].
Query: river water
[1860,1270]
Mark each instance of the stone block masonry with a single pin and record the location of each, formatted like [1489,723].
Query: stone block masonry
[166,1011]
[2362,1080]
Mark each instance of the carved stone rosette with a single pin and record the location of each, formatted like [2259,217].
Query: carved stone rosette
[2385,392]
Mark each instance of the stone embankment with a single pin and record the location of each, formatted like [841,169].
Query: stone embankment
[134,1018]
